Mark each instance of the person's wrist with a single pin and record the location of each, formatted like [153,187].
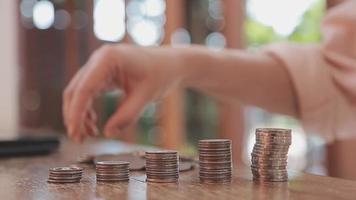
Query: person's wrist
[185,69]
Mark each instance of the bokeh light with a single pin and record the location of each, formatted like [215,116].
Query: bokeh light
[180,37]
[215,41]
[282,18]
[109,20]
[146,19]
[43,14]
[216,9]
[153,8]
[80,19]
[144,32]
[62,19]
[26,8]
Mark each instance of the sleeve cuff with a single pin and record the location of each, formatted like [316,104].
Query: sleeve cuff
[317,97]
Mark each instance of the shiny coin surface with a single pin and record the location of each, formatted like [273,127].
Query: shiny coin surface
[269,155]
[162,166]
[160,180]
[112,163]
[112,171]
[66,169]
[215,160]
[71,174]
[62,181]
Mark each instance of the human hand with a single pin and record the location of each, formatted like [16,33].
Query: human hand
[143,74]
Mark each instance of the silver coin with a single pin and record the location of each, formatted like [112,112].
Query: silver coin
[161,176]
[201,149]
[271,147]
[165,167]
[112,170]
[170,180]
[217,178]
[112,180]
[258,151]
[66,169]
[113,163]
[150,161]
[161,157]
[266,136]
[162,172]
[209,141]
[274,130]
[63,178]
[214,155]
[63,181]
[273,140]
[256,158]
[151,176]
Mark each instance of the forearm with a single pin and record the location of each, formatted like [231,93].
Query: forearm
[251,78]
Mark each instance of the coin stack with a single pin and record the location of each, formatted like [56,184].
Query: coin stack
[269,155]
[215,163]
[112,171]
[162,166]
[65,175]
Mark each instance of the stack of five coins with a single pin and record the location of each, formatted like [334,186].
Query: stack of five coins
[65,175]
[215,161]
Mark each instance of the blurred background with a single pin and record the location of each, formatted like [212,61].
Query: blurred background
[43,43]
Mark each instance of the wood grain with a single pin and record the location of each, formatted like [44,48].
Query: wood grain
[25,178]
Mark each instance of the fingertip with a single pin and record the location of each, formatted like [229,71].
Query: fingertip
[96,131]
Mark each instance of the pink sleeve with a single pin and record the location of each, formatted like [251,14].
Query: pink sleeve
[324,75]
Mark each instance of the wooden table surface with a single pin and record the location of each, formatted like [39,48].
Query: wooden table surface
[25,178]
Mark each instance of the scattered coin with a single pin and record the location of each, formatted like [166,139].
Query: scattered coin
[65,174]
[112,171]
[269,155]
[215,161]
[162,166]
[86,159]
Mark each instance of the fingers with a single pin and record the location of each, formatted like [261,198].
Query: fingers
[90,124]
[129,110]
[68,93]
[81,93]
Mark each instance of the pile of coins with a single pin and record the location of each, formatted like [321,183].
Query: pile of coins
[112,171]
[215,163]
[162,166]
[65,175]
[269,155]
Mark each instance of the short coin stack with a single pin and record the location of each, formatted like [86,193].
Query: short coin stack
[112,171]
[269,155]
[65,175]
[215,163]
[162,166]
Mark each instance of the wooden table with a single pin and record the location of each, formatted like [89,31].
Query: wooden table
[25,178]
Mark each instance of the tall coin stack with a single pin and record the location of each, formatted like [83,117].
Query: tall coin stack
[65,175]
[112,171]
[215,163]
[269,155]
[162,166]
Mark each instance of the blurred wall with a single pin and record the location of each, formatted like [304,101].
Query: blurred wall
[8,68]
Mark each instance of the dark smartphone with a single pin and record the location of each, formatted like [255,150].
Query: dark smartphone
[28,146]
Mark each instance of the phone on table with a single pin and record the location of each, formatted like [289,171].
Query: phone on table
[28,146]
